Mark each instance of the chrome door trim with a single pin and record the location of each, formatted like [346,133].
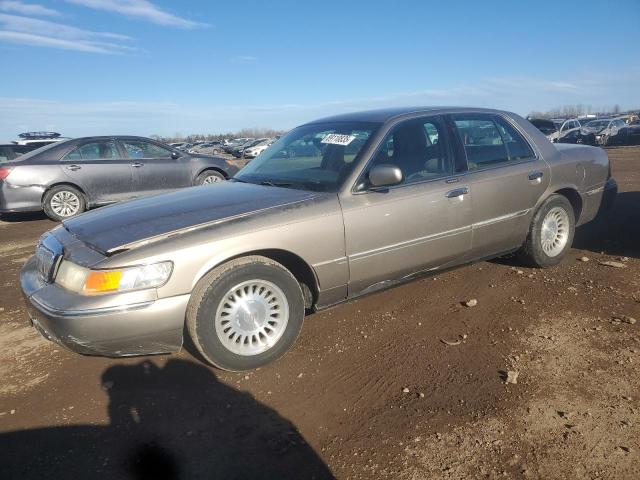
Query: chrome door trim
[436,236]
[501,218]
[408,243]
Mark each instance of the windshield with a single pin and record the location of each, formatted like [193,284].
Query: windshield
[312,157]
[598,123]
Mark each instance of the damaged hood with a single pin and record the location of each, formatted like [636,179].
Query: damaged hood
[117,226]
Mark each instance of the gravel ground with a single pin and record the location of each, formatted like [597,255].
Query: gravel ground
[538,379]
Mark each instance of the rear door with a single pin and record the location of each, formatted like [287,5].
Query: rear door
[99,168]
[506,178]
[155,169]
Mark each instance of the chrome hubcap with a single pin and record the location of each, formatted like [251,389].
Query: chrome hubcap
[65,203]
[209,179]
[252,317]
[555,231]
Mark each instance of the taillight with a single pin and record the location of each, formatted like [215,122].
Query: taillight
[4,172]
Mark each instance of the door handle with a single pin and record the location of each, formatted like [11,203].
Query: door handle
[458,192]
[73,168]
[535,176]
[137,165]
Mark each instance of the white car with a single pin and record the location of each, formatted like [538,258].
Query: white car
[253,152]
[38,139]
[563,128]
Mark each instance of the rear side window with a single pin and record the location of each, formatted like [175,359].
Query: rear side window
[105,150]
[517,147]
[141,149]
[490,141]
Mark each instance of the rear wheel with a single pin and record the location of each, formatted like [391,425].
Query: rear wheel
[209,177]
[550,234]
[62,202]
[245,313]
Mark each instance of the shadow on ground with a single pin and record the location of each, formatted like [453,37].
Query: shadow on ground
[615,232]
[175,422]
[22,217]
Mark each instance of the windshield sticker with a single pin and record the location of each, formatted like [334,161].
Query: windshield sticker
[338,139]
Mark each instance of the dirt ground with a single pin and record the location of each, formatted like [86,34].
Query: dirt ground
[407,383]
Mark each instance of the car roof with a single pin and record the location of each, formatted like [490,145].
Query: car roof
[384,115]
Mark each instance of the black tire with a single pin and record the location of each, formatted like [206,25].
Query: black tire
[202,178]
[54,193]
[532,252]
[211,291]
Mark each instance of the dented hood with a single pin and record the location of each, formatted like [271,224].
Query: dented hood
[121,225]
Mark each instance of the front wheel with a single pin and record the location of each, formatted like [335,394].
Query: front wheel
[62,202]
[550,234]
[246,313]
[209,177]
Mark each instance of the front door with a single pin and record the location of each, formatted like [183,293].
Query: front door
[421,224]
[155,169]
[100,170]
[506,178]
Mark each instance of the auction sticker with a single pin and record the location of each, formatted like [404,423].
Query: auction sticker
[338,139]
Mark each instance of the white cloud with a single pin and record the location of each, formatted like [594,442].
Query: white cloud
[27,8]
[141,9]
[36,32]
[243,59]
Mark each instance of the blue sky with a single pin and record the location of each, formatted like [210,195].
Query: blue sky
[84,67]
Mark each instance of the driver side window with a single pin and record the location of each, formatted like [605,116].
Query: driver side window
[418,148]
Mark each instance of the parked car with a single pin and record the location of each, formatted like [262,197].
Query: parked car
[38,139]
[12,151]
[577,135]
[253,152]
[424,190]
[238,152]
[563,131]
[607,131]
[632,133]
[236,143]
[67,178]
[207,148]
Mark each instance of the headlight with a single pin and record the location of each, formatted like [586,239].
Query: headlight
[92,282]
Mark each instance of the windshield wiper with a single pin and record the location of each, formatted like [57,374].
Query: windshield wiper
[236,179]
[274,184]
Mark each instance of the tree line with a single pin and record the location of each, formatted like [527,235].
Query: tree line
[208,137]
[572,111]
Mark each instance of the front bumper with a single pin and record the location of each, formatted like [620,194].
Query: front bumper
[114,330]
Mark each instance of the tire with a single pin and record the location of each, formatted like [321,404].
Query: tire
[538,250]
[209,177]
[216,300]
[62,202]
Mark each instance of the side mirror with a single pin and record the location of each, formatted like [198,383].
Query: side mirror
[175,155]
[385,176]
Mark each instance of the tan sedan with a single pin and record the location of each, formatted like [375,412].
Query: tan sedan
[335,209]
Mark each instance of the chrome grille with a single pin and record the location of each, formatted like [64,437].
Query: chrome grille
[48,255]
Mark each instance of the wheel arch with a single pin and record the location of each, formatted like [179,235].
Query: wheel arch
[211,168]
[68,184]
[572,194]
[299,268]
